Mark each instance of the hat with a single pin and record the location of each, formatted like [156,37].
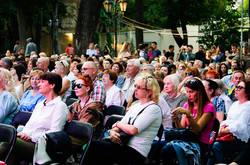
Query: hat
[29,39]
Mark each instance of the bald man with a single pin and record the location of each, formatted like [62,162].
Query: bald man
[43,62]
[98,94]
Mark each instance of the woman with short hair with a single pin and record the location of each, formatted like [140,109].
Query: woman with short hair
[48,116]
[118,68]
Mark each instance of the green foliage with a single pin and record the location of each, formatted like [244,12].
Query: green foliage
[109,42]
[223,29]
[97,38]
[7,10]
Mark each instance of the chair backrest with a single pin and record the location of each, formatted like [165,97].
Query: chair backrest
[70,101]
[115,109]
[100,126]
[8,134]
[80,130]
[21,118]
[108,125]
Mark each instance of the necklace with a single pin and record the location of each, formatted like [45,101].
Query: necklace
[84,104]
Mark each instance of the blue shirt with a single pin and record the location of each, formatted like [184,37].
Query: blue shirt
[120,81]
[156,53]
[8,107]
[29,102]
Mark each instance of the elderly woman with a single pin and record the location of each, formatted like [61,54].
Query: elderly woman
[8,98]
[84,110]
[113,93]
[211,87]
[32,97]
[118,68]
[142,121]
[61,68]
[198,114]
[49,115]
[174,98]
[237,123]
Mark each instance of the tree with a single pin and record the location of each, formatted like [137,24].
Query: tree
[88,16]
[223,29]
[179,13]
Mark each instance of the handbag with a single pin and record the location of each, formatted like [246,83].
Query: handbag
[228,137]
[184,134]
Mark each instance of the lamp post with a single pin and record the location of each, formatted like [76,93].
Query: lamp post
[53,24]
[108,4]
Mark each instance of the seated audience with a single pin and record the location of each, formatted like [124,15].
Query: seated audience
[32,97]
[118,68]
[49,115]
[237,123]
[8,98]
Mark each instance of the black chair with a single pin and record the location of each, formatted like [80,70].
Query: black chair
[111,120]
[80,130]
[114,110]
[100,126]
[209,153]
[8,134]
[21,118]
[70,101]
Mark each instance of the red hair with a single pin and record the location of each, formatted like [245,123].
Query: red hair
[213,73]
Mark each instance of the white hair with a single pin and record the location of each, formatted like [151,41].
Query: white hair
[175,80]
[136,62]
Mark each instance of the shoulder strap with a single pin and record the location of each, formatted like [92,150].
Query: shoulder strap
[140,113]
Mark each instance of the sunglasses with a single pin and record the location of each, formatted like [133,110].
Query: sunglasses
[189,73]
[180,69]
[239,87]
[139,87]
[80,85]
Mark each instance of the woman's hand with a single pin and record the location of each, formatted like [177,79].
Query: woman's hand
[115,125]
[175,118]
[23,136]
[180,110]
[115,137]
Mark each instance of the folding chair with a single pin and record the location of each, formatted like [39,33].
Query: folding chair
[209,153]
[80,130]
[8,134]
[114,110]
[21,118]
[108,125]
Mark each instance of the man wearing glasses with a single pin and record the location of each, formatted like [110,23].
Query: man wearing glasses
[98,94]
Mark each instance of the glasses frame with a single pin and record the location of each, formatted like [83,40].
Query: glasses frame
[238,87]
[79,86]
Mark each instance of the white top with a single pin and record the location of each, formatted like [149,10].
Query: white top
[17,89]
[113,96]
[124,54]
[46,119]
[128,88]
[147,123]
[141,54]
[68,91]
[238,120]
[91,52]
[166,112]
[71,76]
[228,102]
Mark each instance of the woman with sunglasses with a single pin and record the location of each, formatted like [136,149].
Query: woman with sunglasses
[237,123]
[181,69]
[142,121]
[198,114]
[62,68]
[84,110]
[190,72]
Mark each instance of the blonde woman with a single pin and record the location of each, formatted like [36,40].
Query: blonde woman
[62,68]
[8,98]
[124,52]
[142,121]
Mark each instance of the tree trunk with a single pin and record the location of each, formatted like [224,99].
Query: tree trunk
[178,39]
[21,23]
[39,31]
[88,15]
[139,18]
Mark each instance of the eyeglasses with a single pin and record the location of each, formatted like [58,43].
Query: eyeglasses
[238,87]
[139,87]
[180,69]
[79,86]
[62,64]
[86,68]
[189,73]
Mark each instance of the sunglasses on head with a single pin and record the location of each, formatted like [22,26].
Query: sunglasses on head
[80,85]
[189,73]
[239,87]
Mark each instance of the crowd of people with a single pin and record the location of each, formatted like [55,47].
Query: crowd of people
[176,90]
